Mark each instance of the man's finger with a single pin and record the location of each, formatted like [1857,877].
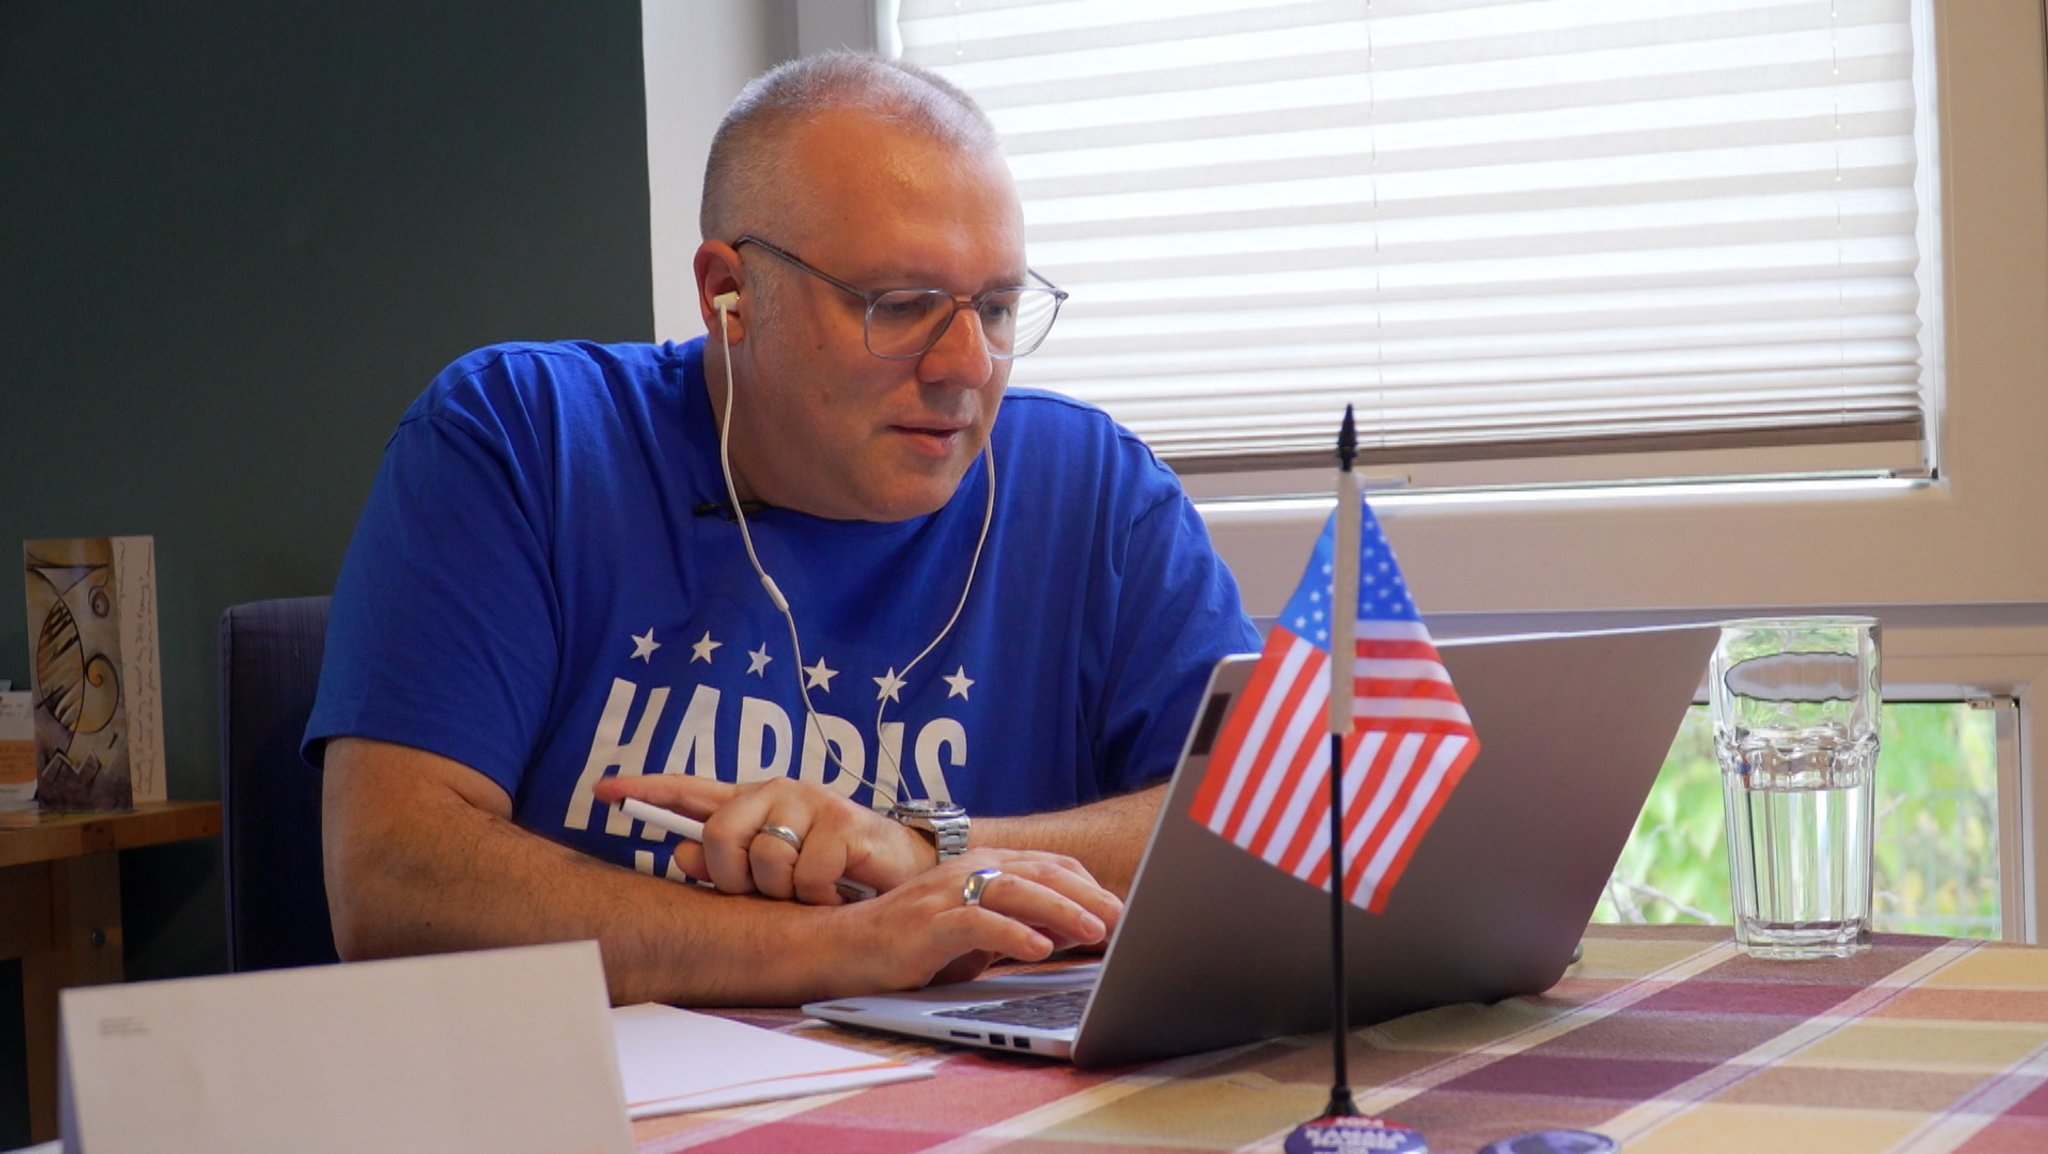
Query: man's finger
[819,876]
[696,796]
[987,929]
[1049,885]
[773,861]
[1047,911]
[688,857]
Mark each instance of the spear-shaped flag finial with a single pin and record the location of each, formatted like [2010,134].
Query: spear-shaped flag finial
[1347,442]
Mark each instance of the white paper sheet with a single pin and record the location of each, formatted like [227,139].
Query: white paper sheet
[672,1061]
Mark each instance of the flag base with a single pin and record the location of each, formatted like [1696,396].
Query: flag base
[1355,1134]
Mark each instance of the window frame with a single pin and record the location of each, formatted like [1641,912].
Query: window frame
[1999,662]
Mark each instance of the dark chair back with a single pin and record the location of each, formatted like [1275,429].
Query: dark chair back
[270,798]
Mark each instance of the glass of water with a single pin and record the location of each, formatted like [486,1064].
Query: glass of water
[1795,705]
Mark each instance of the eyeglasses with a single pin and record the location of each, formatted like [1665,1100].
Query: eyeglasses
[903,324]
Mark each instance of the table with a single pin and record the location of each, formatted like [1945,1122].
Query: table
[60,913]
[1665,1038]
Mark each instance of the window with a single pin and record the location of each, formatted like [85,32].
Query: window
[1653,240]
[1936,854]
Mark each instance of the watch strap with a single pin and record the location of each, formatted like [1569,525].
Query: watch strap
[945,826]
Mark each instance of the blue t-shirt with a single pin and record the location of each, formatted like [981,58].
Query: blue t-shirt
[546,586]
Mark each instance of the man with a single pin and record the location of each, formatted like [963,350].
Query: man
[559,597]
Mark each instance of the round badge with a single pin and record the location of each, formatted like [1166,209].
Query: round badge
[1354,1135]
[1553,1142]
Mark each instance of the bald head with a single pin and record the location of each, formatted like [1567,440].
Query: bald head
[751,181]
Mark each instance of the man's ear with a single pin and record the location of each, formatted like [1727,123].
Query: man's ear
[720,299]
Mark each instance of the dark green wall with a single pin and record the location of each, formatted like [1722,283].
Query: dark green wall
[236,239]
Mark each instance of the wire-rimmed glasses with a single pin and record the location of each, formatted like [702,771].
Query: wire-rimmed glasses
[902,324]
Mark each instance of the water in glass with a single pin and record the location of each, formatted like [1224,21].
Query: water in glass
[1799,805]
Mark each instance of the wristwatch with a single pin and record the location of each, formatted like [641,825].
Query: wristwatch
[944,823]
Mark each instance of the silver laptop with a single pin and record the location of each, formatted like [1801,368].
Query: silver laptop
[1218,948]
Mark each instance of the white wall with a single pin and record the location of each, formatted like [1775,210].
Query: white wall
[698,54]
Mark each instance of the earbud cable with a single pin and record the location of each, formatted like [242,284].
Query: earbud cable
[814,726]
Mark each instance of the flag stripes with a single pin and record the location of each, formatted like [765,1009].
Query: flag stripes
[1267,787]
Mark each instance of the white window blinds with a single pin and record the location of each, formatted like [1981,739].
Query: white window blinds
[1501,230]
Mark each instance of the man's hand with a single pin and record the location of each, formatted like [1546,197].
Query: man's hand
[926,931]
[835,837]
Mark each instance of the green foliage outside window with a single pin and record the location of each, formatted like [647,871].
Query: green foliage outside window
[1936,840]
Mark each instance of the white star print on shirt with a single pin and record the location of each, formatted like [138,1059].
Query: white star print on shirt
[644,647]
[890,684]
[757,660]
[958,684]
[820,676]
[701,651]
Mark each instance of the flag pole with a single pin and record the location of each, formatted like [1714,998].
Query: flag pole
[1343,677]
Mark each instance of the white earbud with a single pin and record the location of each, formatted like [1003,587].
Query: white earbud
[725,302]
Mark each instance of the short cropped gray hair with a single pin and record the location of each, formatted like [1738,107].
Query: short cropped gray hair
[748,165]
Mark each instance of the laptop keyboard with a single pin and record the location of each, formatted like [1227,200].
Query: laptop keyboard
[1059,1010]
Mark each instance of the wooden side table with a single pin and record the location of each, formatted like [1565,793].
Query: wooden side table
[60,913]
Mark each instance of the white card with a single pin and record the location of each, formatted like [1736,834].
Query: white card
[495,1051]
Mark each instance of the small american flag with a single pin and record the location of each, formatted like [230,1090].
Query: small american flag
[1268,789]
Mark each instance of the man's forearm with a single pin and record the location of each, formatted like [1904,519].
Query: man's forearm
[415,867]
[422,856]
[1107,836]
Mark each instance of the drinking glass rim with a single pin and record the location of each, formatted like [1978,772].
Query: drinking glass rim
[1818,621]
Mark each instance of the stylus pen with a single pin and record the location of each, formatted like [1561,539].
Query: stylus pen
[691,828]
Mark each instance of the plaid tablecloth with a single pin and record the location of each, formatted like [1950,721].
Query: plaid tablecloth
[1663,1038]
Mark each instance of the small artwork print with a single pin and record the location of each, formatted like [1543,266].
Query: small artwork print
[94,677]
[17,751]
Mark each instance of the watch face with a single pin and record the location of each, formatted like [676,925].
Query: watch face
[929,808]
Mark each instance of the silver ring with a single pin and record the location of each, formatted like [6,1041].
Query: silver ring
[783,833]
[977,882]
